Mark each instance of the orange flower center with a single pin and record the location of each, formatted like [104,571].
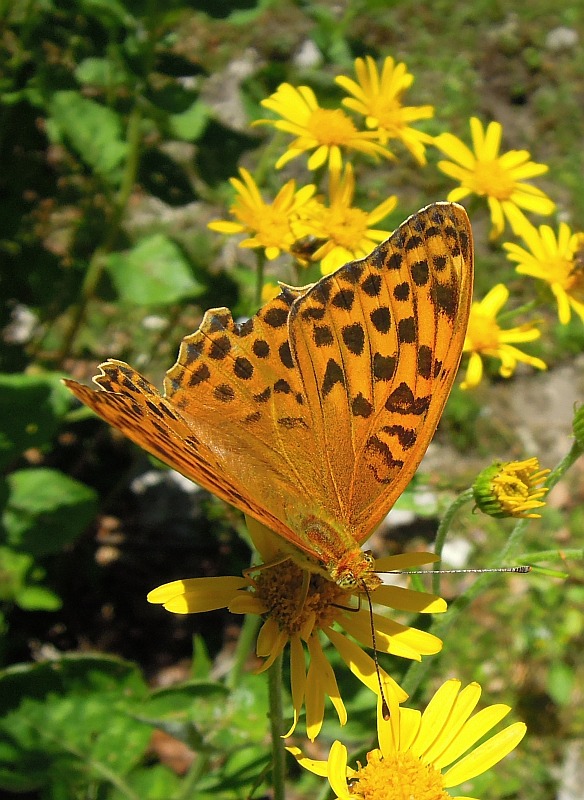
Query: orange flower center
[331,126]
[297,599]
[399,775]
[490,179]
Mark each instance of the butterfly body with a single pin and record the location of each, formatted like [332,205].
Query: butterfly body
[313,415]
[334,553]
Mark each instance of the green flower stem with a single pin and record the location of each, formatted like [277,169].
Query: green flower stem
[261,261]
[97,263]
[575,553]
[570,458]
[277,729]
[443,529]
[190,783]
[247,636]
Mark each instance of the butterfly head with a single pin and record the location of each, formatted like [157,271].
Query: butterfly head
[355,571]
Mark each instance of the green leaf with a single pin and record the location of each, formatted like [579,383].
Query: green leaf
[92,130]
[155,782]
[66,722]
[46,510]
[14,568]
[107,11]
[155,272]
[37,598]
[30,411]
[560,682]
[190,124]
[103,72]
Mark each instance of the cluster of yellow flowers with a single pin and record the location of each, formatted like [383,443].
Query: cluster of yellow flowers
[332,231]
[420,755]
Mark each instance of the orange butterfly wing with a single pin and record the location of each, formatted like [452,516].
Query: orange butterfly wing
[378,344]
[322,403]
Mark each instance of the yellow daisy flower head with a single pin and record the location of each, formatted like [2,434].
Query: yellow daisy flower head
[326,132]
[379,98]
[556,259]
[422,755]
[298,608]
[484,337]
[345,228]
[498,177]
[275,226]
[511,489]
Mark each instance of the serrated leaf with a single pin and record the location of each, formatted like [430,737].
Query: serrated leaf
[46,510]
[155,272]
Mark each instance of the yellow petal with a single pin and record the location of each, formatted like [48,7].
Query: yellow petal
[206,593]
[404,561]
[408,600]
[435,716]
[337,771]
[464,705]
[297,679]
[485,756]
[473,730]
[362,665]
[317,767]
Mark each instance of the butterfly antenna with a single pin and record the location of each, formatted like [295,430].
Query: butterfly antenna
[523,569]
[384,706]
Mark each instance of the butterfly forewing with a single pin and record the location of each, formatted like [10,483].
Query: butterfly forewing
[377,344]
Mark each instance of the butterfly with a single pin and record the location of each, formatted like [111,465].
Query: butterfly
[313,415]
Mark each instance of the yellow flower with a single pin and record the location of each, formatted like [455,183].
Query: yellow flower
[557,260]
[274,225]
[499,178]
[511,489]
[484,337]
[326,131]
[344,227]
[297,606]
[378,98]
[422,755]
[269,291]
